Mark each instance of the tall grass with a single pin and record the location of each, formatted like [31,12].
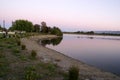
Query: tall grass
[3,65]
[18,42]
[33,54]
[73,73]
[23,47]
[30,73]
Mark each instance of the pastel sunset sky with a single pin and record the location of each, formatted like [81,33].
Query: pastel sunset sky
[69,15]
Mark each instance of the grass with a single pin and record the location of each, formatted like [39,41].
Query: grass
[15,51]
[30,73]
[1,45]
[15,63]
[3,65]
[1,36]
[41,71]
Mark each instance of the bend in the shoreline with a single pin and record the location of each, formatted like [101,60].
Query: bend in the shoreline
[64,61]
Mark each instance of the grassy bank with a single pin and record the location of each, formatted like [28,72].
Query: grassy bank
[16,63]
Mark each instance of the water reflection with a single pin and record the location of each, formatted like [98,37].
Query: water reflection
[100,51]
[54,41]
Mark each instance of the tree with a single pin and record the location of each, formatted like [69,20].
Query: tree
[22,25]
[90,32]
[56,31]
[11,29]
[44,27]
[43,23]
[36,28]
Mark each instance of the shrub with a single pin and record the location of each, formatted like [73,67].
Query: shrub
[9,46]
[16,50]
[56,31]
[73,73]
[30,73]
[23,47]
[18,42]
[33,54]
[50,67]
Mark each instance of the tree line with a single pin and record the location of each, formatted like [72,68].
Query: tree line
[92,33]
[25,25]
[81,32]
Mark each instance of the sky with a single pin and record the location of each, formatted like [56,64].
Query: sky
[68,15]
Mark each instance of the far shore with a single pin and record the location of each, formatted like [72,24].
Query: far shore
[98,34]
[63,61]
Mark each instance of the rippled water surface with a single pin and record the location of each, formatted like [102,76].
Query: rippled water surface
[100,51]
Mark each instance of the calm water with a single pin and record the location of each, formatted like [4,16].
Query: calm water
[100,51]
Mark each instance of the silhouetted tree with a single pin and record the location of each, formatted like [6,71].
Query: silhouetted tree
[81,32]
[49,30]
[44,27]
[43,23]
[54,30]
[36,28]
[90,32]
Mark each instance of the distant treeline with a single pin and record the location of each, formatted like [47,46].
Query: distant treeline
[91,33]
[27,26]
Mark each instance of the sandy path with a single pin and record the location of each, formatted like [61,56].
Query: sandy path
[64,61]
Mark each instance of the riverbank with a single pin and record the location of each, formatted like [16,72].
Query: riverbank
[49,55]
[18,63]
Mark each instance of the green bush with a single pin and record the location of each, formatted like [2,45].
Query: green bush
[30,73]
[73,73]
[23,47]
[9,46]
[33,54]
[16,50]
[18,42]
[56,31]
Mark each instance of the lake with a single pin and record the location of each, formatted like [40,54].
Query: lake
[100,51]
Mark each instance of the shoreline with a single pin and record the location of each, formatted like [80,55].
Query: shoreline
[64,61]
